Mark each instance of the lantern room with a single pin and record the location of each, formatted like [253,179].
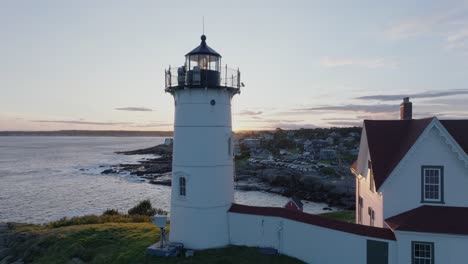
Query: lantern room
[202,69]
[203,57]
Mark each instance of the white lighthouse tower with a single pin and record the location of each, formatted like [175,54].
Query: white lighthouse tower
[203,169]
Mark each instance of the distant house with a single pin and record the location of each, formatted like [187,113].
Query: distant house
[267,136]
[168,141]
[327,154]
[348,139]
[251,143]
[330,140]
[261,154]
[354,151]
[294,204]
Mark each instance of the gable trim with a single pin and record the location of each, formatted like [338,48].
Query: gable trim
[449,140]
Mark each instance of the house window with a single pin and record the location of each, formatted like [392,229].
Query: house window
[432,184]
[371,176]
[371,216]
[182,186]
[422,252]
[360,206]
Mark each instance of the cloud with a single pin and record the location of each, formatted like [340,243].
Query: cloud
[82,122]
[249,113]
[339,119]
[433,94]
[153,125]
[134,109]
[458,39]
[453,115]
[372,63]
[345,123]
[380,108]
[289,126]
[450,26]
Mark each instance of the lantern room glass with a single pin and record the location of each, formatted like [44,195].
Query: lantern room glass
[205,62]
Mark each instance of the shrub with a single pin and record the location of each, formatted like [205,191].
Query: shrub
[111,212]
[328,171]
[98,219]
[145,208]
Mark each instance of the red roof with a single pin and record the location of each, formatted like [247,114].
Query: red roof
[390,140]
[432,219]
[382,233]
[459,131]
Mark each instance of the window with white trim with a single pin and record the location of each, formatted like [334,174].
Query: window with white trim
[182,186]
[432,184]
[422,252]
[360,206]
[371,216]
[371,176]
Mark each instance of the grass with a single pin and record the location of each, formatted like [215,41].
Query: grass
[110,242]
[344,215]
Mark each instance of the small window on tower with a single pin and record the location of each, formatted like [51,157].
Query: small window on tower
[182,186]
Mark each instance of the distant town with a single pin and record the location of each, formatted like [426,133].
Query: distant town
[328,150]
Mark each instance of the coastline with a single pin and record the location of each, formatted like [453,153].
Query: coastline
[335,191]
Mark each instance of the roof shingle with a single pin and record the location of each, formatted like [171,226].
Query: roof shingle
[390,140]
[432,219]
[383,233]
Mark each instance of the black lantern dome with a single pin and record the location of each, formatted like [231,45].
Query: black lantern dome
[202,69]
[203,57]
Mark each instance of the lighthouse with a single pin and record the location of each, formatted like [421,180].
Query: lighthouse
[203,160]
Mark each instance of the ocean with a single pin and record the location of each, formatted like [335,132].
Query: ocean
[46,178]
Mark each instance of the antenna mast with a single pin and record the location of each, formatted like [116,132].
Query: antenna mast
[203,25]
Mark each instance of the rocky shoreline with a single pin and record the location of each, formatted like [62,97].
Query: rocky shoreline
[336,191]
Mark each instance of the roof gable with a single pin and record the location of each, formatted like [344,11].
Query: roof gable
[390,140]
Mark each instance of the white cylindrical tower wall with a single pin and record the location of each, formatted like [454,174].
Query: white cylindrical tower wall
[203,155]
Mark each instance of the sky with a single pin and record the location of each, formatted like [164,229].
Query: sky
[100,64]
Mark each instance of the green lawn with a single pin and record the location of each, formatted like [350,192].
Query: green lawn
[345,215]
[115,243]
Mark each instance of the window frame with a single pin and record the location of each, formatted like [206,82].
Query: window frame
[183,186]
[371,176]
[424,168]
[360,208]
[413,257]
[371,213]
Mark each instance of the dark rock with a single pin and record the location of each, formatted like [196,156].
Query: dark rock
[108,171]
[162,179]
[156,150]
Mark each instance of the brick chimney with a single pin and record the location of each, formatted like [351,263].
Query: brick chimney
[406,109]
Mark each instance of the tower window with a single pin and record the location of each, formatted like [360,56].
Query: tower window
[182,186]
[213,102]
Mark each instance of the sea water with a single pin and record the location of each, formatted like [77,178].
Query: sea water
[45,178]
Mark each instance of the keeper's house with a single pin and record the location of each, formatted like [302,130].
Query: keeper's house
[412,177]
